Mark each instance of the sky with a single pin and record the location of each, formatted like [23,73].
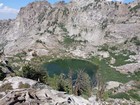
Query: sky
[10,8]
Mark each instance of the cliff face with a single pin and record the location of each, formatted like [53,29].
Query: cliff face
[86,24]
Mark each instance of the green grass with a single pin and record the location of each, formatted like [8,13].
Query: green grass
[134,95]
[131,94]
[136,76]
[68,40]
[110,74]
[121,96]
[121,59]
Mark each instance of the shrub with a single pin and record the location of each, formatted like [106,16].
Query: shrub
[40,41]
[101,87]
[2,75]
[21,85]
[53,81]
[36,73]
[49,31]
[61,83]
[68,40]
[105,47]
[113,48]
[41,17]
[34,54]
[21,54]
[65,11]
[62,26]
[87,6]
[135,8]
[6,87]
[104,24]
[135,40]
[116,5]
[79,86]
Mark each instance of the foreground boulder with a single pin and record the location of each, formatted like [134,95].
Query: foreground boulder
[22,91]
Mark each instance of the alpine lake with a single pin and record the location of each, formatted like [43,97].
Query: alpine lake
[63,66]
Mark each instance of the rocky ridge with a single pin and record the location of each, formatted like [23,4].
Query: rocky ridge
[22,91]
[91,23]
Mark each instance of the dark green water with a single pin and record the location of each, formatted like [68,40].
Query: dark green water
[64,65]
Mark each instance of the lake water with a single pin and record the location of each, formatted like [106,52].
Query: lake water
[64,65]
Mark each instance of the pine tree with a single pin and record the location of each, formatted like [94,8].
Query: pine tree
[82,84]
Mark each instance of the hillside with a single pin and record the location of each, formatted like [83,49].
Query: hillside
[101,32]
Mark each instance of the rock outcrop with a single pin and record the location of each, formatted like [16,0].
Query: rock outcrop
[22,91]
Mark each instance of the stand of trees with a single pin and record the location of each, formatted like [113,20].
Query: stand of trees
[81,85]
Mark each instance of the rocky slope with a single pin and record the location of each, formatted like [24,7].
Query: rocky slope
[86,23]
[22,91]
